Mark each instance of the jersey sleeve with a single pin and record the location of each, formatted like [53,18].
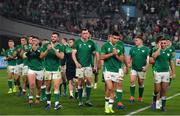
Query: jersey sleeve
[43,48]
[62,48]
[120,51]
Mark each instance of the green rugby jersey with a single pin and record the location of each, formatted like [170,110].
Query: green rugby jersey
[18,51]
[26,48]
[112,64]
[33,60]
[10,52]
[171,49]
[162,61]
[139,57]
[51,61]
[85,50]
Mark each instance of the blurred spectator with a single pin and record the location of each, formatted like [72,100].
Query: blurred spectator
[99,16]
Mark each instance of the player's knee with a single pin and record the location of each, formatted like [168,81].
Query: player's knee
[56,87]
[133,84]
[156,92]
[141,84]
[32,85]
[132,81]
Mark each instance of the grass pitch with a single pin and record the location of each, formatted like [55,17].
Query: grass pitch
[12,104]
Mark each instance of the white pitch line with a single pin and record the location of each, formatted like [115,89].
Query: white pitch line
[145,108]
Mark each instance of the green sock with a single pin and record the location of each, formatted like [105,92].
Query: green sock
[141,90]
[43,92]
[10,84]
[132,90]
[56,96]
[80,90]
[48,95]
[163,101]
[119,95]
[170,81]
[88,92]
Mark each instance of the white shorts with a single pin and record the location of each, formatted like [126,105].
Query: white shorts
[161,77]
[25,70]
[19,69]
[39,74]
[121,73]
[141,75]
[84,72]
[11,69]
[51,75]
[113,76]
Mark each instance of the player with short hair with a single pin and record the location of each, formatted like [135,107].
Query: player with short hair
[122,70]
[70,69]
[162,61]
[52,53]
[11,62]
[43,87]
[35,69]
[19,66]
[63,41]
[113,57]
[25,48]
[138,61]
[83,50]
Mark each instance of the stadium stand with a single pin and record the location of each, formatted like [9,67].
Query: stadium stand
[100,16]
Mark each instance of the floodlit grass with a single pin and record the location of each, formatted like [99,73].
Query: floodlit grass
[11,104]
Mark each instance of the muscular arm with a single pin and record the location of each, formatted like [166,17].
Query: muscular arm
[43,54]
[156,53]
[96,59]
[120,58]
[172,68]
[59,54]
[78,65]
[105,56]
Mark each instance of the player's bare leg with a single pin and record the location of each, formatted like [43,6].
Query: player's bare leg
[48,94]
[110,88]
[141,89]
[32,84]
[80,91]
[164,88]
[157,89]
[56,93]
[88,91]
[119,92]
[38,90]
[132,87]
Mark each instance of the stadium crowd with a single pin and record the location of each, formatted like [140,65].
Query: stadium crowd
[100,17]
